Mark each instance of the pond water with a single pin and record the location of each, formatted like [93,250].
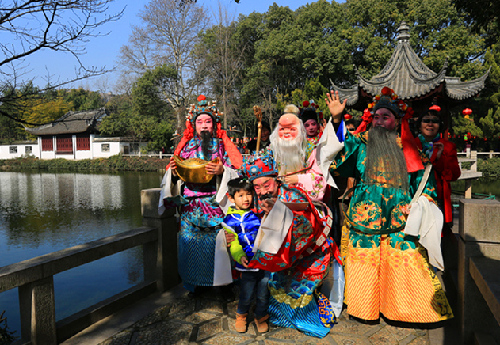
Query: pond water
[45,212]
[480,188]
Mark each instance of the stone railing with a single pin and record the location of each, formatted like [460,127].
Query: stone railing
[34,278]
[469,174]
[478,271]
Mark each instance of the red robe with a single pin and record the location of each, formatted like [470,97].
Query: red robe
[446,169]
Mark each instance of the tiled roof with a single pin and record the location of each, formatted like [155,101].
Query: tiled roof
[71,123]
[410,78]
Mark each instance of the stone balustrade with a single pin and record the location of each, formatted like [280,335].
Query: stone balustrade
[479,270]
[34,278]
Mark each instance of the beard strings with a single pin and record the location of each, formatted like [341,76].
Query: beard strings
[289,153]
[385,162]
[206,145]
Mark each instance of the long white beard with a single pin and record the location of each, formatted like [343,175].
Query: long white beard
[289,154]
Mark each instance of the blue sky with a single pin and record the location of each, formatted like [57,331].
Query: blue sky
[104,51]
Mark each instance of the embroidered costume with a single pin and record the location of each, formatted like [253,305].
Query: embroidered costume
[200,214]
[386,271]
[296,247]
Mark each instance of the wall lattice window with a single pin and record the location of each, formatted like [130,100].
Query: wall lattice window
[83,142]
[47,144]
[64,144]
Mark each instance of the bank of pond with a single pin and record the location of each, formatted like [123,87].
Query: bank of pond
[490,167]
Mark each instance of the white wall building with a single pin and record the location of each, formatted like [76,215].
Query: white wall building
[73,136]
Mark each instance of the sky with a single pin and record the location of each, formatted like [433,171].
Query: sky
[104,51]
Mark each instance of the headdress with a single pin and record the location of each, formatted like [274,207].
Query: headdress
[388,99]
[203,108]
[259,166]
[309,111]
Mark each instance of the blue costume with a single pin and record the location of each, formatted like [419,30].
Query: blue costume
[245,225]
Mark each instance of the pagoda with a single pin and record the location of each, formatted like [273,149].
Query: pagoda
[412,81]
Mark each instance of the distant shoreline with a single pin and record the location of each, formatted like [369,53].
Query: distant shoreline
[114,163]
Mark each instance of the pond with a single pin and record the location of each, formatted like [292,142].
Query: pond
[45,212]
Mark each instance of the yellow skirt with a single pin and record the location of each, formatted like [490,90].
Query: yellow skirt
[393,277]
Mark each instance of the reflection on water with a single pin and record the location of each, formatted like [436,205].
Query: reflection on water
[45,212]
[480,187]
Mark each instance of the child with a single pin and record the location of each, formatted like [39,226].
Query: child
[244,223]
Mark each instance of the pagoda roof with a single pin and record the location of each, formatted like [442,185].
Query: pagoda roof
[410,78]
[73,122]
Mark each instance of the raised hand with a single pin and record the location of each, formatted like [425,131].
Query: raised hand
[334,104]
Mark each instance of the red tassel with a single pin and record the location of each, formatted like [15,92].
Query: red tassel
[187,135]
[366,120]
[410,148]
[231,149]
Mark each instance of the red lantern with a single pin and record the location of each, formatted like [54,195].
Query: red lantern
[467,111]
[347,117]
[436,108]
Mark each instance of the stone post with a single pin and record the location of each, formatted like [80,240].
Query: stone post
[479,238]
[166,257]
[473,155]
[37,307]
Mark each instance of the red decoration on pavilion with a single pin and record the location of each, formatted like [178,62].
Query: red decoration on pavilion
[467,111]
[435,107]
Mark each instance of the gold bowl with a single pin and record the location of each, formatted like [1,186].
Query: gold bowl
[192,170]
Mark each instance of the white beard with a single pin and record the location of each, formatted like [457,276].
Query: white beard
[289,154]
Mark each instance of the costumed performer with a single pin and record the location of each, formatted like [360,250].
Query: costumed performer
[200,214]
[296,247]
[387,270]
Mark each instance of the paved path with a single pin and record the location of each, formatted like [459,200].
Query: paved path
[208,319]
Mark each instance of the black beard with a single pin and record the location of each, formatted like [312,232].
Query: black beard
[266,196]
[206,145]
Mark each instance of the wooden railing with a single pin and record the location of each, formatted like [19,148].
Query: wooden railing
[34,278]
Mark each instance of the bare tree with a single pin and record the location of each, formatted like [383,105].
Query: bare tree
[169,35]
[28,27]
[221,58]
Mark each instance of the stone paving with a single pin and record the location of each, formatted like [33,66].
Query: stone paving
[208,319]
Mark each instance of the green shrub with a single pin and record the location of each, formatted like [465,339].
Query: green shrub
[113,163]
[489,167]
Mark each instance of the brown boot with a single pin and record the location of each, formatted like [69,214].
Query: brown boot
[241,323]
[262,325]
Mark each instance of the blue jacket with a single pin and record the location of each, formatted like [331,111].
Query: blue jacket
[245,224]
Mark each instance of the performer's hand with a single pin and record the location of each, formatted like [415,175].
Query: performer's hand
[230,237]
[214,168]
[267,205]
[173,166]
[291,179]
[244,261]
[334,105]
[439,147]
[406,209]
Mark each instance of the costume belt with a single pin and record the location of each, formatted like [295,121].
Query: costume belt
[204,228]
